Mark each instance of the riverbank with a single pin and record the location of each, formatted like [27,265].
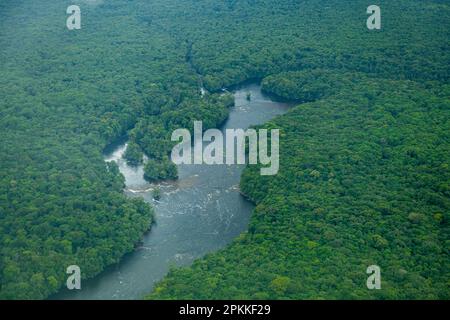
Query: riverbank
[200,213]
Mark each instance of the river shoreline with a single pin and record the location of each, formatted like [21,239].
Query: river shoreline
[202,212]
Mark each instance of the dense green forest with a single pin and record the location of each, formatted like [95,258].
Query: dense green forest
[363,180]
[364,174]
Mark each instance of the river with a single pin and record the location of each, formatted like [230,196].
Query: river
[200,213]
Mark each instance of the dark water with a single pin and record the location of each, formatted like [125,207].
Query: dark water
[200,213]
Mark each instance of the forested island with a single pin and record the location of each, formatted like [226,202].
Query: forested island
[364,157]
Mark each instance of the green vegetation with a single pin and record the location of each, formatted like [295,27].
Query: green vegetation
[363,180]
[364,165]
[309,85]
[364,170]
[153,133]
[133,154]
[157,194]
[160,170]
[63,97]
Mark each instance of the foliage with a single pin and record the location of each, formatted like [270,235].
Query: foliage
[157,194]
[133,154]
[310,84]
[363,180]
[160,170]
[364,168]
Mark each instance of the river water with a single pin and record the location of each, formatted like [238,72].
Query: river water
[200,213]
